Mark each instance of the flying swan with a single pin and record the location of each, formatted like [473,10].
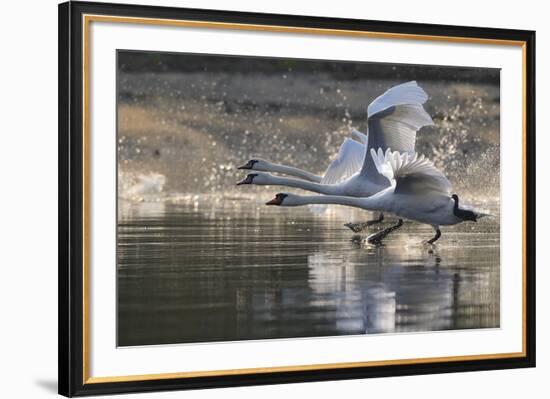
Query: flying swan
[417,191]
[393,120]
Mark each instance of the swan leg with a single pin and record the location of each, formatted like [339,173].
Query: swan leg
[377,238]
[436,237]
[359,226]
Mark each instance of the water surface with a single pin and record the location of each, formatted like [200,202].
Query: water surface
[236,270]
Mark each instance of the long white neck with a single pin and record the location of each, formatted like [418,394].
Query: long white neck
[370,204]
[304,185]
[291,171]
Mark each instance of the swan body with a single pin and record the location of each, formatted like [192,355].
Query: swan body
[417,191]
[428,209]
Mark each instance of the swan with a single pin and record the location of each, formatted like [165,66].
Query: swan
[417,191]
[393,120]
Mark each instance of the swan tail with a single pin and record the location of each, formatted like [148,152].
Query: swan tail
[480,215]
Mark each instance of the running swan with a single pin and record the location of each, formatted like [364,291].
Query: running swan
[418,191]
[393,120]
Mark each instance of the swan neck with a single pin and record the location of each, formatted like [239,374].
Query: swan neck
[356,202]
[291,171]
[305,185]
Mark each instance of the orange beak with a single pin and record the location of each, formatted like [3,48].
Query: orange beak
[274,201]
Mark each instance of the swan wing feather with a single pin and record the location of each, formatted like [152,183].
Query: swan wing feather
[405,93]
[348,161]
[394,119]
[410,174]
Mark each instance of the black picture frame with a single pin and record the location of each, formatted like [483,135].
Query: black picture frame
[71,290]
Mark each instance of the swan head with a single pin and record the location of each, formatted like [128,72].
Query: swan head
[278,200]
[261,179]
[256,164]
[286,199]
[248,179]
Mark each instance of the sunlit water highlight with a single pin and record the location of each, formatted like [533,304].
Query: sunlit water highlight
[233,269]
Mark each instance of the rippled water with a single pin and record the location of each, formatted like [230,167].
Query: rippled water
[236,270]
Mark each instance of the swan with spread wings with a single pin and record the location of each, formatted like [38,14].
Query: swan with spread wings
[393,121]
[416,190]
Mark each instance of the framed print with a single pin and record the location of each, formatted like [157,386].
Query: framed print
[257,199]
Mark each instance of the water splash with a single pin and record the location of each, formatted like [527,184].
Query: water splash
[141,187]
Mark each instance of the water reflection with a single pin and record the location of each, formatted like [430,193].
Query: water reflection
[235,270]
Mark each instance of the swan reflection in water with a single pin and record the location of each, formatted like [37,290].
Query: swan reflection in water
[195,273]
[400,288]
[373,294]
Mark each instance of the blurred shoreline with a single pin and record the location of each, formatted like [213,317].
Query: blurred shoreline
[166,62]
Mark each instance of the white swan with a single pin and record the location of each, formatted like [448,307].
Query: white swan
[418,191]
[393,120]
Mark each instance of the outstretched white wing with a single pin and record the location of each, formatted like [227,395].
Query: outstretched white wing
[396,127]
[405,93]
[410,174]
[348,161]
[394,119]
